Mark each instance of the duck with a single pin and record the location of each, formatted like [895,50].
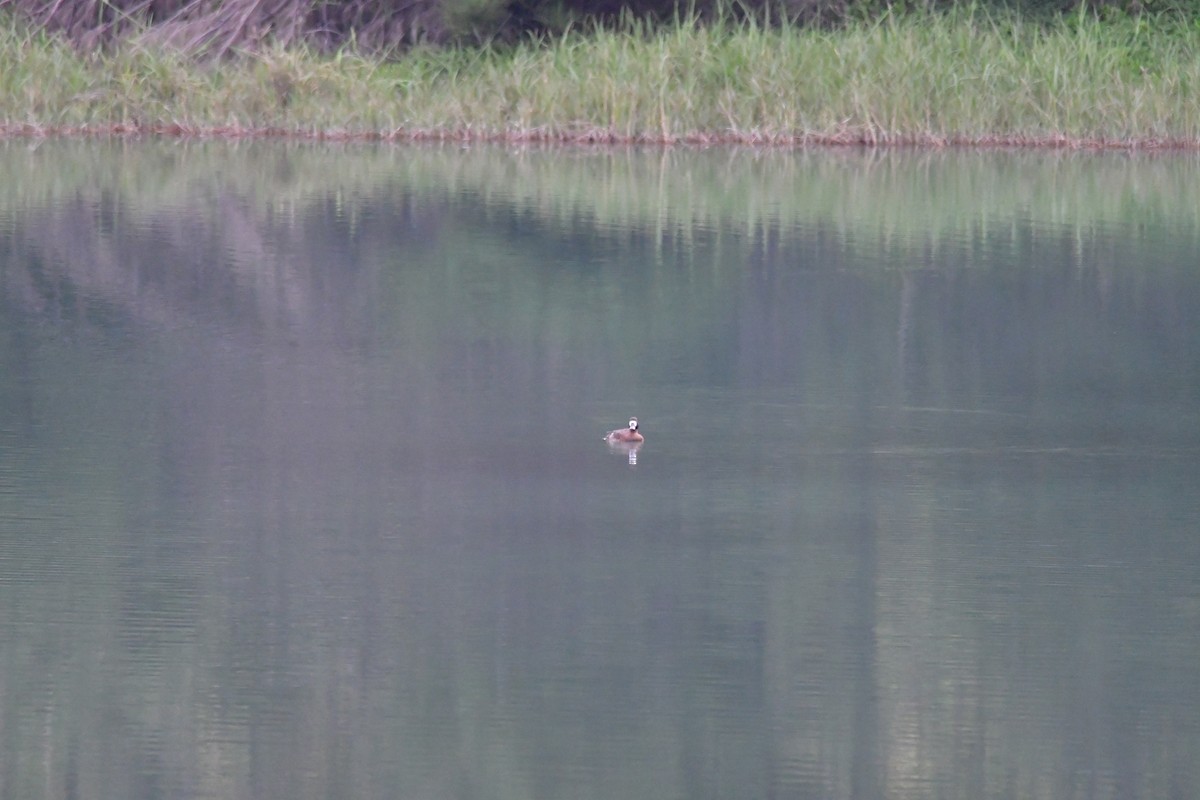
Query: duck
[629,435]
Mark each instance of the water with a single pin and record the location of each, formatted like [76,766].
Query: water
[302,491]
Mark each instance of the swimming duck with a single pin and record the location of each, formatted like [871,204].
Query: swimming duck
[628,435]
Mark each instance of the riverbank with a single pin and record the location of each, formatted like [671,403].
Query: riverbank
[964,78]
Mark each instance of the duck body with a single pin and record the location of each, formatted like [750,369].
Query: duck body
[630,435]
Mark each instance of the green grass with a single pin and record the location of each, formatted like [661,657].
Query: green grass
[963,77]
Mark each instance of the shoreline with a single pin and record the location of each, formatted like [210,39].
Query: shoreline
[602,138]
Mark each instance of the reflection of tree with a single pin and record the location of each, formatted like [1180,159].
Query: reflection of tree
[98,260]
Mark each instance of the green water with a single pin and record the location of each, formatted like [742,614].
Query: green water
[303,493]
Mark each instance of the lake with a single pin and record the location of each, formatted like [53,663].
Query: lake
[303,492]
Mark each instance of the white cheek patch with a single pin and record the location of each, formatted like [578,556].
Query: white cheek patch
[633,424]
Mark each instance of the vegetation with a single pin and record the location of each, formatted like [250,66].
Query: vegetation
[965,76]
[217,27]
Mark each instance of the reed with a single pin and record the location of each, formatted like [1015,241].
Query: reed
[963,77]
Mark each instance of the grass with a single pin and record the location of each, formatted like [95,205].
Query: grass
[967,77]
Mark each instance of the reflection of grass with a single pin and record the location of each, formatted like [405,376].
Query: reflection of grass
[858,195]
[925,78]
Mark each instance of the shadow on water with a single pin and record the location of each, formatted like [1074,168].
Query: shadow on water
[300,492]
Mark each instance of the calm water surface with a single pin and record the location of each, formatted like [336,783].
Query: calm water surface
[303,493]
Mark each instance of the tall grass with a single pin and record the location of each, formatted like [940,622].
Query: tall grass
[960,77]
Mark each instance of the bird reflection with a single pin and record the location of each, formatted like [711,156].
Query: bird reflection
[630,449]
